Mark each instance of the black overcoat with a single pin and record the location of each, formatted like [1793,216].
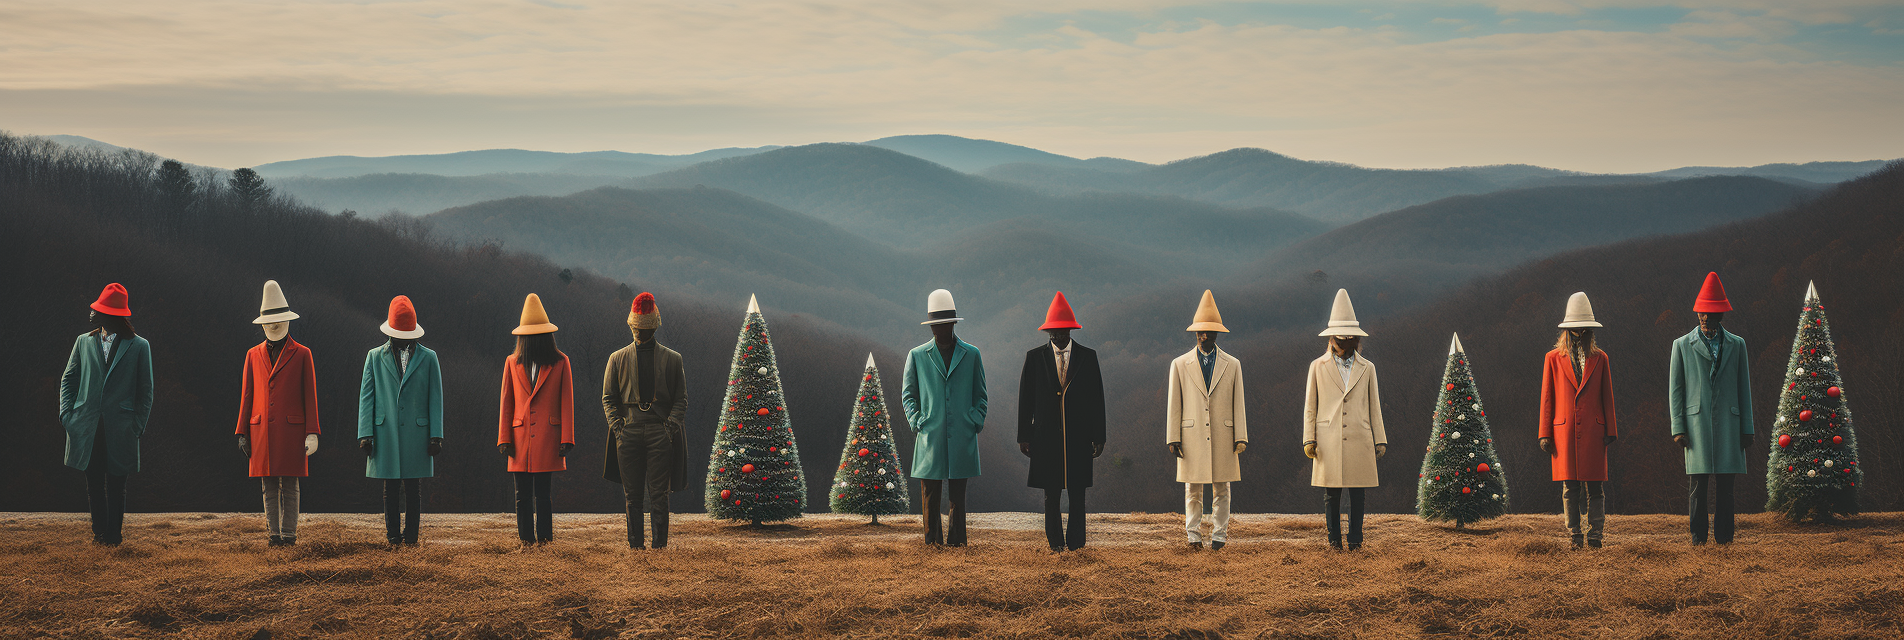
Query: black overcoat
[1061,422]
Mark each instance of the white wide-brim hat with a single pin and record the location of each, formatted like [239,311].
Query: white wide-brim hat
[1579,312]
[1342,320]
[402,335]
[939,308]
[274,308]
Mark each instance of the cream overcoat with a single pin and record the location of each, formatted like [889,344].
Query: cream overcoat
[1209,421]
[1345,424]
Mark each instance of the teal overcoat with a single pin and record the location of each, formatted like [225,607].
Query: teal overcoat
[946,410]
[1711,406]
[401,411]
[106,400]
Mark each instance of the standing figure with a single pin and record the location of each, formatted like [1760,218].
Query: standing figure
[944,396]
[1342,422]
[1709,397]
[1061,421]
[277,414]
[105,404]
[645,397]
[1206,425]
[400,420]
[536,425]
[1576,420]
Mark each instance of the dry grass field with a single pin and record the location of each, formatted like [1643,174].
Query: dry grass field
[211,576]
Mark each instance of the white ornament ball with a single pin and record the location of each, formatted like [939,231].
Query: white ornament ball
[882,471]
[1497,496]
[1827,464]
[1462,416]
[1812,473]
[1801,369]
[889,485]
[1827,359]
[1780,420]
[1456,435]
[1470,455]
[762,371]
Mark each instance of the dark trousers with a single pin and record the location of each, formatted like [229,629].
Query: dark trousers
[534,510]
[402,507]
[1055,532]
[932,491]
[105,495]
[1332,509]
[1696,502]
[642,451]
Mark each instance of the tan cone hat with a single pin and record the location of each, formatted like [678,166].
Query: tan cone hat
[274,308]
[534,319]
[1207,318]
[1342,320]
[1579,312]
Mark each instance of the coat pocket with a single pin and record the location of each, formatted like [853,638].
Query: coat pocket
[256,419]
[295,419]
[1692,408]
[423,422]
[1735,411]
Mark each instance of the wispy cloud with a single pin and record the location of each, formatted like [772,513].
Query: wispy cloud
[1591,84]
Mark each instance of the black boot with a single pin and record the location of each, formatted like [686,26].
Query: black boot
[636,535]
[660,519]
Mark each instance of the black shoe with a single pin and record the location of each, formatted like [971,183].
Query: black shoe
[275,541]
[394,542]
[1196,546]
[1057,549]
[1593,543]
[637,545]
[1216,546]
[1335,543]
[1579,541]
[1355,546]
[287,540]
[545,541]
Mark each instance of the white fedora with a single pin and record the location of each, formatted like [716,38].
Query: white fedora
[1342,320]
[274,308]
[939,308]
[1579,312]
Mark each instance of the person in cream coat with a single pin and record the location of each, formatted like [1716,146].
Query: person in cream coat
[1342,422]
[1207,427]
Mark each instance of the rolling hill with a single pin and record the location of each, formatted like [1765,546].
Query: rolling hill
[973,156]
[421,193]
[488,161]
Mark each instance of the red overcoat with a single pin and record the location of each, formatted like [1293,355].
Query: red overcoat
[537,418]
[277,408]
[1577,416]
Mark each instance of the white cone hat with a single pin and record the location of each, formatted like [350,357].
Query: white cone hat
[1455,347]
[1342,320]
[869,360]
[1811,291]
[939,308]
[1579,312]
[753,303]
[274,308]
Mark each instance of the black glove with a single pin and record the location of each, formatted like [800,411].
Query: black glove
[244,444]
[436,446]
[1745,441]
[1176,448]
[1547,445]
[563,449]
[1097,449]
[367,444]
[1683,441]
[507,449]
[1024,448]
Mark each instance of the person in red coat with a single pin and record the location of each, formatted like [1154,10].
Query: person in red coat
[1576,420]
[536,427]
[277,414]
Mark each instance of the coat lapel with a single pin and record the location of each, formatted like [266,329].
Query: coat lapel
[1587,365]
[416,353]
[1357,370]
[118,353]
[1566,372]
[1697,344]
[387,360]
[542,375]
[284,354]
[1216,372]
[958,355]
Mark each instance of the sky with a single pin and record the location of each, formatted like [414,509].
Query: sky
[1591,85]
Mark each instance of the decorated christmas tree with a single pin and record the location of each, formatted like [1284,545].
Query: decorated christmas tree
[870,481]
[1813,470]
[753,473]
[1461,479]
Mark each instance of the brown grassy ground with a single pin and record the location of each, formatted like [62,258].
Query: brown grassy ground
[209,575]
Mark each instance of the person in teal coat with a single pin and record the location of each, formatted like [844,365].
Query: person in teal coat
[400,419]
[944,398]
[105,404]
[1710,400]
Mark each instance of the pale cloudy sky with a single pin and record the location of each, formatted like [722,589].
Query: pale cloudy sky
[1598,85]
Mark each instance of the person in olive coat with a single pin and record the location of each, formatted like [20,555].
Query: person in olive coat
[105,404]
[944,397]
[1709,396]
[1061,421]
[400,419]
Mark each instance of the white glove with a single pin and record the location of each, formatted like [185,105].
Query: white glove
[310,443]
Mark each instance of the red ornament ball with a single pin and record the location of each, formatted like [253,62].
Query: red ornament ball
[1837,439]
[1804,416]
[763,411]
[1483,467]
[773,449]
[865,452]
[1450,386]
[1467,490]
[1785,440]
[747,468]
[737,503]
[727,493]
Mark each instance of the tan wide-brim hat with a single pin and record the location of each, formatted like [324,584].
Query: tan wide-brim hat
[534,319]
[1207,317]
[1579,312]
[274,308]
[1342,320]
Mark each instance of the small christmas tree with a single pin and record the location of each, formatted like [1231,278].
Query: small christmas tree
[1461,478]
[1813,470]
[870,481]
[753,473]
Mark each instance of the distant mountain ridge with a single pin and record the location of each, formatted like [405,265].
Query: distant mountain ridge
[489,161]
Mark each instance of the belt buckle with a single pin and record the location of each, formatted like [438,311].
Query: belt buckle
[644,406]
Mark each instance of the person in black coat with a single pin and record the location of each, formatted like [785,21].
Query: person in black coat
[1061,421]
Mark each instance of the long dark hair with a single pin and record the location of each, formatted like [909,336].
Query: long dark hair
[1587,346]
[118,325]
[538,348]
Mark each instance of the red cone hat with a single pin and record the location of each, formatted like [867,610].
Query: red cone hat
[1712,297]
[643,314]
[402,321]
[1060,316]
[112,301]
